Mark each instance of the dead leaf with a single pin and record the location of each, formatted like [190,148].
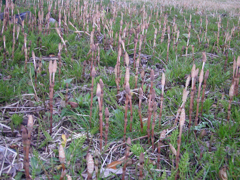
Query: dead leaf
[7,78]
[203,133]
[73,104]
[62,104]
[114,164]
[223,173]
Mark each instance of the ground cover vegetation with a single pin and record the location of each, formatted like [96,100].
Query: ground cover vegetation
[119,90]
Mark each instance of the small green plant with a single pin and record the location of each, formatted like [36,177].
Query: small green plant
[184,166]
[137,149]
[16,120]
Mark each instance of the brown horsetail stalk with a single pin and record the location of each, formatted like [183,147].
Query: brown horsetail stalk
[126,157]
[131,112]
[28,49]
[198,96]
[189,34]
[194,74]
[30,126]
[161,99]
[25,51]
[231,94]
[107,125]
[136,74]
[218,33]
[140,46]
[200,84]
[168,31]
[127,74]
[26,147]
[206,28]
[225,64]
[135,47]
[237,76]
[14,41]
[150,108]
[154,104]
[154,40]
[141,166]
[4,48]
[140,108]
[52,70]
[181,124]
[193,53]
[127,89]
[90,165]
[59,60]
[93,74]
[184,99]
[127,77]
[59,34]
[164,28]
[102,86]
[161,138]
[62,161]
[98,93]
[204,88]
[117,71]
[142,78]
[35,68]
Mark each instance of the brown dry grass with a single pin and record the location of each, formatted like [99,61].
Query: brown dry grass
[227,5]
